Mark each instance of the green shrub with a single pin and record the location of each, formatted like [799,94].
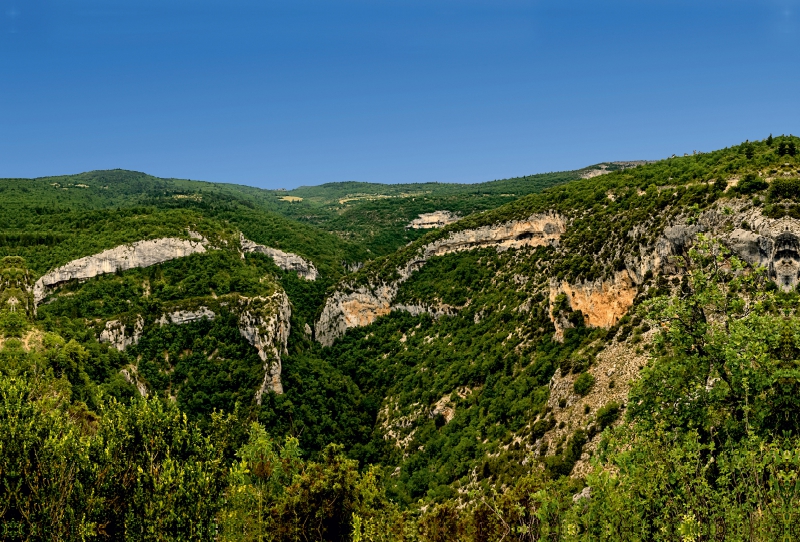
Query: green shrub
[781,189]
[750,183]
[583,384]
[608,415]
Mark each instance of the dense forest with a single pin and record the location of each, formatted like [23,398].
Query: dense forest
[504,392]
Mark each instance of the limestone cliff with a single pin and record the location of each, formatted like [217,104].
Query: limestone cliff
[121,258]
[756,239]
[179,317]
[536,230]
[436,219]
[351,306]
[602,302]
[131,376]
[770,243]
[265,323]
[285,260]
[357,308]
[121,336]
[773,243]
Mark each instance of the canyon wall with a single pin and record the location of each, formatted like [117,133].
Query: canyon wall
[351,306]
[121,258]
[602,302]
[436,219]
[265,323]
[285,260]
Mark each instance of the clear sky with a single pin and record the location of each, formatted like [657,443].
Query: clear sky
[285,93]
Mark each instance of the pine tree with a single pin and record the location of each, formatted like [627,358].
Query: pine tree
[769,140]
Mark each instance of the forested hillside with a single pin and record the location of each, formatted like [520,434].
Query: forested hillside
[566,356]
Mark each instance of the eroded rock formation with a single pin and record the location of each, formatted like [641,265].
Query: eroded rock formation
[536,230]
[436,219]
[121,258]
[186,316]
[121,336]
[285,260]
[602,302]
[265,323]
[359,306]
[131,376]
[770,243]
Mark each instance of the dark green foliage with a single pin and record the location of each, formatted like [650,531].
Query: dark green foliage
[320,406]
[562,464]
[583,384]
[206,365]
[750,183]
[784,189]
[607,415]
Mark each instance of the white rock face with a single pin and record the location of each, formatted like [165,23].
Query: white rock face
[360,306]
[131,376]
[120,338]
[436,219]
[184,317]
[265,323]
[285,260]
[537,230]
[121,258]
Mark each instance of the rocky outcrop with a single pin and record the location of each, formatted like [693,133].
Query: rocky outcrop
[436,219]
[121,336]
[536,230]
[186,316]
[285,260]
[121,258]
[770,243]
[614,370]
[602,303]
[436,310]
[131,376]
[264,322]
[758,240]
[359,306]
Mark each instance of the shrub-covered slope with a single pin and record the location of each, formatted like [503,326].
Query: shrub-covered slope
[463,346]
[615,357]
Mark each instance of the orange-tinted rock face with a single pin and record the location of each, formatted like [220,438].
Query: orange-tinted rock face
[358,308]
[359,313]
[602,303]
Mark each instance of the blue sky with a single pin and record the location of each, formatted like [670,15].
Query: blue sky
[282,94]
